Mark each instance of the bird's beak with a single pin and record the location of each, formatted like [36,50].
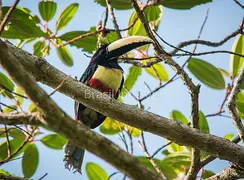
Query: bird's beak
[125,45]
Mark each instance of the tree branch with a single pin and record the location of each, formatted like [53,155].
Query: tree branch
[58,121]
[228,173]
[210,158]
[232,107]
[237,2]
[43,72]
[209,43]
[8,177]
[20,118]
[113,18]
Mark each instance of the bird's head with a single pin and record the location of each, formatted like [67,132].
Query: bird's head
[110,52]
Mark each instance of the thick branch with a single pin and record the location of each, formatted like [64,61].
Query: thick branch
[61,123]
[228,173]
[42,71]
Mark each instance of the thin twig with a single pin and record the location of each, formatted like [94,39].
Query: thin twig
[131,141]
[199,35]
[22,130]
[102,26]
[221,109]
[7,16]
[14,159]
[43,176]
[210,52]
[130,26]
[232,107]
[113,18]
[237,2]
[8,106]
[6,89]
[159,149]
[158,88]
[208,43]
[144,148]
[59,86]
[17,150]
[111,175]
[76,38]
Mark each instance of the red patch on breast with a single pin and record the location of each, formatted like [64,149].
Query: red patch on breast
[98,85]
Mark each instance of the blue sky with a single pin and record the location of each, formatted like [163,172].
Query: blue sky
[176,26]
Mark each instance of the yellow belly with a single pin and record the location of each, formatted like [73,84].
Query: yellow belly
[111,78]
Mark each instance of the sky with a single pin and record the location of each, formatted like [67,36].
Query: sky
[176,26]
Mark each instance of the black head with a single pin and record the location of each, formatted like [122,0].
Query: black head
[109,53]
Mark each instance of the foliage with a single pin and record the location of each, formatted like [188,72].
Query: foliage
[26,27]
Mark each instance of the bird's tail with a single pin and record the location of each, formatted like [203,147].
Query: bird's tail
[73,157]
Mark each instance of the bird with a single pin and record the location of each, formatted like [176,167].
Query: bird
[105,75]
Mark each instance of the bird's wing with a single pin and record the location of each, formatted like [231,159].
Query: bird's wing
[85,78]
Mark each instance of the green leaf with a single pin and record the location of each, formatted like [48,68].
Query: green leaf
[14,145]
[117,4]
[30,160]
[64,54]
[229,136]
[158,71]
[240,96]
[10,109]
[237,61]
[66,16]
[224,72]
[21,25]
[32,108]
[154,16]
[47,9]
[177,161]
[88,43]
[182,4]
[168,171]
[207,173]
[109,38]
[111,126]
[95,172]
[39,48]
[2,133]
[6,82]
[2,171]
[173,147]
[177,115]
[134,131]
[206,73]
[20,99]
[54,141]
[134,73]
[17,134]
[203,123]
[153,13]
[240,108]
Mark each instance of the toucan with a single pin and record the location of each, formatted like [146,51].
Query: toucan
[105,75]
